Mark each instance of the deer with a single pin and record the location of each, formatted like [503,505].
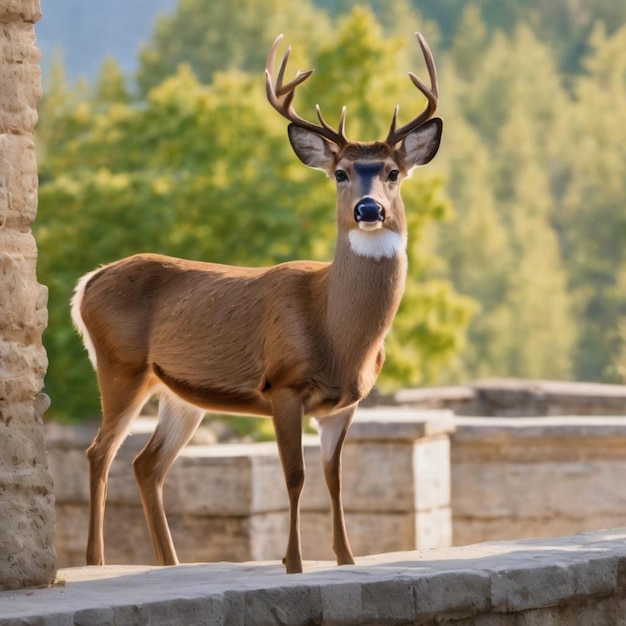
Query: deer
[297,339]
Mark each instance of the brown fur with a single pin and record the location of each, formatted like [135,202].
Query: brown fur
[222,337]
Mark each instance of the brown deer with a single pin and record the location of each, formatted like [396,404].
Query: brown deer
[300,338]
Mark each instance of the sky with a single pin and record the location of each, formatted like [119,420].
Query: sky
[85,32]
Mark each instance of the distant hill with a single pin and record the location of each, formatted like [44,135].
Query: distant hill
[86,32]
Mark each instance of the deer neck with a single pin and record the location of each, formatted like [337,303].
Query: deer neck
[364,292]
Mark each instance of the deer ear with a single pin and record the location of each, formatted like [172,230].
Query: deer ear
[312,149]
[420,146]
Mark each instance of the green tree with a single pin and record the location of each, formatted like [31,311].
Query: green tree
[592,158]
[477,249]
[111,85]
[206,171]
[541,334]
[564,25]
[502,248]
[215,36]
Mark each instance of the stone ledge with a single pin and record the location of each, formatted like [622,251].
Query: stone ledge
[574,579]
[503,397]
[393,424]
[486,429]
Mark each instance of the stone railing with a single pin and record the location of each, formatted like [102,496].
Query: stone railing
[503,397]
[228,501]
[412,480]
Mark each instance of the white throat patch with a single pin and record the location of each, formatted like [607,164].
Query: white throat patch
[379,244]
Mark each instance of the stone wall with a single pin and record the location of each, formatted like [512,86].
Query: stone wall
[515,478]
[412,480]
[26,497]
[228,501]
[504,397]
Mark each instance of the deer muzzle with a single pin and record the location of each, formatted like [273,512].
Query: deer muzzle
[369,214]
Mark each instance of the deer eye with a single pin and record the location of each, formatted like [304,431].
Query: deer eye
[393,176]
[341,176]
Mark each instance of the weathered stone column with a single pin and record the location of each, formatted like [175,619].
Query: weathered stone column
[26,497]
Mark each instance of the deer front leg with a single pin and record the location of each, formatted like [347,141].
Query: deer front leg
[333,431]
[287,411]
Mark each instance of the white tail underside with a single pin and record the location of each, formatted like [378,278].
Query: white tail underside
[77,318]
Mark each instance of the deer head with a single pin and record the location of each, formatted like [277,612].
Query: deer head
[368,174]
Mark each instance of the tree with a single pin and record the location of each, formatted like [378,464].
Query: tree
[592,157]
[206,172]
[111,84]
[213,35]
[502,248]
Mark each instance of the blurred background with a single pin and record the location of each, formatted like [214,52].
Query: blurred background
[155,135]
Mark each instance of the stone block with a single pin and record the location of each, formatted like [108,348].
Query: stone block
[26,536]
[71,534]
[526,398]
[229,479]
[18,182]
[317,535]
[544,585]
[70,472]
[388,601]
[22,445]
[548,489]
[341,601]
[22,368]
[459,593]
[537,477]
[473,528]
[196,538]
[393,424]
[28,11]
[23,313]
[289,606]
[375,533]
[433,529]
[20,83]
[431,471]
[369,533]
[380,477]
[200,539]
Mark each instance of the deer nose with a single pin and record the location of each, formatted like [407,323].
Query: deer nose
[368,210]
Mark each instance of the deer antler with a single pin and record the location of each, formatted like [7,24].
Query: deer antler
[432,94]
[281,97]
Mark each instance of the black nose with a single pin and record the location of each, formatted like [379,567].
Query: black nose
[368,210]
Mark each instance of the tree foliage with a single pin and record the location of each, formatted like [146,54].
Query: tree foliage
[522,212]
[206,172]
[219,36]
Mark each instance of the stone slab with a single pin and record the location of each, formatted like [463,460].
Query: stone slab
[537,477]
[494,429]
[576,579]
[511,397]
[393,424]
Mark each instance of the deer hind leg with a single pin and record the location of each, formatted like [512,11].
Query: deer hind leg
[122,399]
[178,421]
[333,431]
[287,409]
